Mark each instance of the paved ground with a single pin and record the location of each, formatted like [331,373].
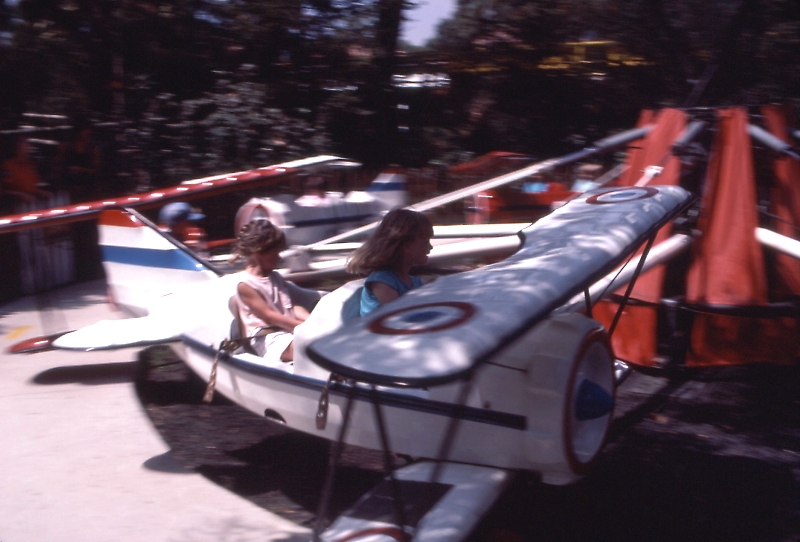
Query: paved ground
[79,458]
[714,457]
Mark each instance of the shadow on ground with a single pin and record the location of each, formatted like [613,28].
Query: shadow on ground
[90,375]
[711,457]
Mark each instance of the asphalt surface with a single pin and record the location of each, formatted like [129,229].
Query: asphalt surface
[120,446]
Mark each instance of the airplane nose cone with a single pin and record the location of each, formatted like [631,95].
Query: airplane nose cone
[592,401]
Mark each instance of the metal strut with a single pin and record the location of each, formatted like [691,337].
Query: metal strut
[333,463]
[399,509]
[631,284]
[449,438]
[588,297]
[336,455]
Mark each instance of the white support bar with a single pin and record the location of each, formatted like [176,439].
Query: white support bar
[781,243]
[649,173]
[661,253]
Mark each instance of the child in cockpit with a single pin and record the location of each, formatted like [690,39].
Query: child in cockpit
[263,297]
[401,242]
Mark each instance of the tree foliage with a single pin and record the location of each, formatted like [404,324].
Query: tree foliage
[251,81]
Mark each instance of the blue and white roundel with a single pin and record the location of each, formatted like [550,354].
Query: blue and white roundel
[423,318]
[623,194]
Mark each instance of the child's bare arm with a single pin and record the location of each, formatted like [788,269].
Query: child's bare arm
[264,310]
[301,313]
[383,292]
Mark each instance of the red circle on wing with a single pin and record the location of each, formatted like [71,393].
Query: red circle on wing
[467,311]
[647,192]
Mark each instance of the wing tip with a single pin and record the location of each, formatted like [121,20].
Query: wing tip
[36,344]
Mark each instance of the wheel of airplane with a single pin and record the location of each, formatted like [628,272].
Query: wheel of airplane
[589,400]
[570,395]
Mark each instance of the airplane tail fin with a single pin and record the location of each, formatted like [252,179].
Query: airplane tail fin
[142,264]
[390,189]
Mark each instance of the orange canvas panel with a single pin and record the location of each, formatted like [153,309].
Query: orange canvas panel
[728,264]
[655,150]
[634,161]
[669,125]
[634,339]
[785,204]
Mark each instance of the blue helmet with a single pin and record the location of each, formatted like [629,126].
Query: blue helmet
[180,211]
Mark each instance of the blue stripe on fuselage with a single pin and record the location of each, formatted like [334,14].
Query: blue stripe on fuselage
[388,186]
[145,257]
[387,398]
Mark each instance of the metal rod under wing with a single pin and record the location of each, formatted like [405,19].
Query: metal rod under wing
[691,131]
[781,243]
[475,248]
[775,143]
[601,145]
[661,253]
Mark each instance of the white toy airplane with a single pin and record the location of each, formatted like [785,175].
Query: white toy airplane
[540,387]
[308,219]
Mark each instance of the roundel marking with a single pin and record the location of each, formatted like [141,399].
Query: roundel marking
[425,318]
[623,194]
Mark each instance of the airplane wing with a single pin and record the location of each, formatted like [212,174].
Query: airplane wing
[187,190]
[439,332]
[112,334]
[443,511]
